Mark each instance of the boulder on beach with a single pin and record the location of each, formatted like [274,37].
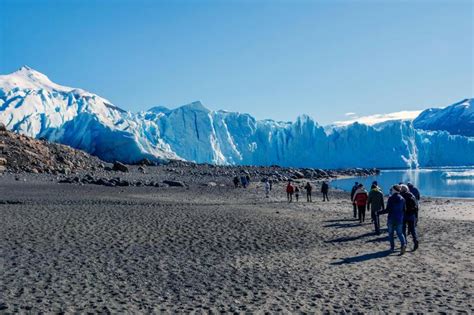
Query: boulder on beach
[120,167]
[174,183]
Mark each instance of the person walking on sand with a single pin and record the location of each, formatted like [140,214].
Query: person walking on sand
[236,182]
[360,200]
[297,193]
[375,203]
[325,190]
[411,213]
[308,189]
[395,208]
[415,193]
[267,188]
[243,181]
[289,191]
[354,188]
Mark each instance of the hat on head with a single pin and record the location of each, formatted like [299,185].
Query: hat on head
[396,188]
[404,188]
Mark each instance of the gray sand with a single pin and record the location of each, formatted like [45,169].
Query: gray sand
[71,248]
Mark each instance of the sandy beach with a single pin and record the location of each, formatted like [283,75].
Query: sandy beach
[88,248]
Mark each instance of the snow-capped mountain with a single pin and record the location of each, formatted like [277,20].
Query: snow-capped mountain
[457,119]
[31,104]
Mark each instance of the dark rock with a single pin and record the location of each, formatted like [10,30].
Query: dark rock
[298,174]
[174,183]
[118,166]
[2,127]
[146,162]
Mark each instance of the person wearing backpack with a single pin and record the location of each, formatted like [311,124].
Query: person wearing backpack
[360,200]
[411,213]
[375,203]
[396,206]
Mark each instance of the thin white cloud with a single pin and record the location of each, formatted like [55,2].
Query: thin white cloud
[378,118]
[350,114]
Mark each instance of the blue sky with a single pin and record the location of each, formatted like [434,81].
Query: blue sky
[273,59]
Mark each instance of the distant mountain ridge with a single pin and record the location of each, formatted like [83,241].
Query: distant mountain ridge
[457,119]
[33,105]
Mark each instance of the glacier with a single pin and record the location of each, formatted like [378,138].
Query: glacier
[31,104]
[457,119]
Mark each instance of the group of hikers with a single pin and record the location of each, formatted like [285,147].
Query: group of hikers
[244,180]
[402,209]
[292,189]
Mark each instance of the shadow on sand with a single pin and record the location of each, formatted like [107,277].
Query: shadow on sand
[350,238]
[340,220]
[362,258]
[342,225]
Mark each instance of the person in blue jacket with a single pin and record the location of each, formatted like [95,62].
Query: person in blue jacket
[396,206]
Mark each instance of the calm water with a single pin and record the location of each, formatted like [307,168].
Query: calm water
[442,182]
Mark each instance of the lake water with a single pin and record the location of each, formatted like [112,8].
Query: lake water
[441,182]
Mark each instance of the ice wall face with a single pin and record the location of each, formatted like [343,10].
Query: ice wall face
[31,104]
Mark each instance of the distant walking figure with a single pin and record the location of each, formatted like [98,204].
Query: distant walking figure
[411,213]
[267,188]
[395,209]
[375,203]
[354,188]
[360,200]
[309,189]
[297,193]
[243,181]
[236,182]
[289,191]
[325,190]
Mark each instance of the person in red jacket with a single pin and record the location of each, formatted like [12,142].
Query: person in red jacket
[360,200]
[289,191]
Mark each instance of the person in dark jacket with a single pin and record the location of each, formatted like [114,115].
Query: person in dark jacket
[325,190]
[297,193]
[354,188]
[309,189]
[415,193]
[243,181]
[236,182]
[411,213]
[375,203]
[360,200]
[395,209]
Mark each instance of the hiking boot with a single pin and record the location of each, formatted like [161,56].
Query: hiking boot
[403,250]
[415,247]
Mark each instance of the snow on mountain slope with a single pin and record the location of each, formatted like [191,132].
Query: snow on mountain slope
[31,104]
[379,118]
[457,119]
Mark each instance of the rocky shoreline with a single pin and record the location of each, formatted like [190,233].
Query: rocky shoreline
[20,154]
